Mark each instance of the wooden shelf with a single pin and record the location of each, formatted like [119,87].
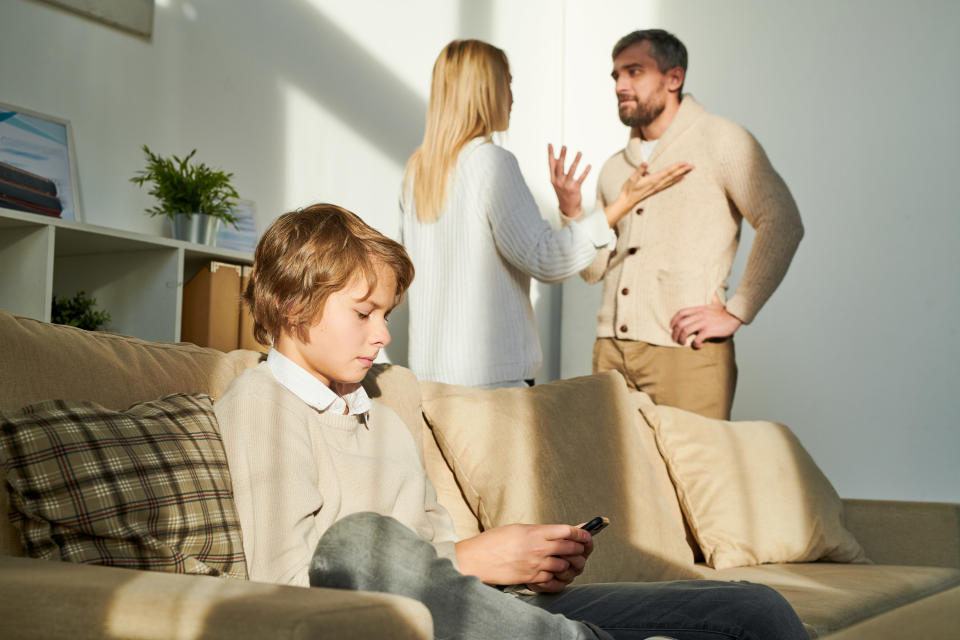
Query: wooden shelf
[137,278]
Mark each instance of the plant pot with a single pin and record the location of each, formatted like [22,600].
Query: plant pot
[195,227]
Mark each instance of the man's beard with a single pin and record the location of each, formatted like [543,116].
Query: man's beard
[643,115]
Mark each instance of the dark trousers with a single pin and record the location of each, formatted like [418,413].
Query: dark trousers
[369,552]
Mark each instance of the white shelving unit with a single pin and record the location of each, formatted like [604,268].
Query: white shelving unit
[137,278]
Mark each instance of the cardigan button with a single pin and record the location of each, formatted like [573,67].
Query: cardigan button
[632,250]
[639,210]
[623,328]
[625,291]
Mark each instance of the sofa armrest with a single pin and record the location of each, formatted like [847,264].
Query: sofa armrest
[44,599]
[906,533]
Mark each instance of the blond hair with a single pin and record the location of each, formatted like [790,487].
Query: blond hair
[469,98]
[308,254]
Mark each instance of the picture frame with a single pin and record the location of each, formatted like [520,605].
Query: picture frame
[245,236]
[38,166]
[132,16]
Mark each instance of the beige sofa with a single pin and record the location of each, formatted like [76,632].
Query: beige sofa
[912,588]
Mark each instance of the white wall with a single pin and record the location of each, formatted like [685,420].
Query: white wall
[304,100]
[322,100]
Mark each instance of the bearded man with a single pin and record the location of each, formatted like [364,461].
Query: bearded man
[665,321]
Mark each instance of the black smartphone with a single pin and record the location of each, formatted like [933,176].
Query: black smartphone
[596,525]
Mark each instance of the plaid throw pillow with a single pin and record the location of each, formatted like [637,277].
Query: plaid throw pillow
[145,488]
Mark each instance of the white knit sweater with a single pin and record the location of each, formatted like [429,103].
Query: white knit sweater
[471,322]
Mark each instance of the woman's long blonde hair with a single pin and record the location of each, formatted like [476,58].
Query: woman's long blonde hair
[469,98]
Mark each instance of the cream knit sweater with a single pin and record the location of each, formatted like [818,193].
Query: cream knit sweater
[296,471]
[677,251]
[471,322]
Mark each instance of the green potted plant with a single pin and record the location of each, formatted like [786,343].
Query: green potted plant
[78,311]
[195,197]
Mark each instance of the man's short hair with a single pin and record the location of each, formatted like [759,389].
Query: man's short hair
[665,48]
[308,254]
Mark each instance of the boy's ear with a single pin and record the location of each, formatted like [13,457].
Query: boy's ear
[290,328]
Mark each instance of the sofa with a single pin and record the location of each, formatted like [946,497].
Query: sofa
[688,498]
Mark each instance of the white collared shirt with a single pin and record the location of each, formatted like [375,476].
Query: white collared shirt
[316,394]
[647,147]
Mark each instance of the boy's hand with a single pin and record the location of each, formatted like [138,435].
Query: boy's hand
[544,557]
[562,579]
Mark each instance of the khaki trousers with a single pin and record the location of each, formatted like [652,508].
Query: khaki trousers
[699,380]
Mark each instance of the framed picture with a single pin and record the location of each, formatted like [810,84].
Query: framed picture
[244,237]
[38,168]
[132,16]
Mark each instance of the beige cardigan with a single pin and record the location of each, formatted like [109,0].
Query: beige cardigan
[675,250]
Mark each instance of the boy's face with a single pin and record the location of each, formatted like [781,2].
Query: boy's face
[351,331]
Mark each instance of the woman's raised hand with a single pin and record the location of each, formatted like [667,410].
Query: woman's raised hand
[565,183]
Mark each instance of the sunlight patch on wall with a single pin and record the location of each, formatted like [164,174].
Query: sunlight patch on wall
[590,122]
[327,161]
[390,32]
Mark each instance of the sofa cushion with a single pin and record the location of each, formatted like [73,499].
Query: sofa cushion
[145,488]
[750,491]
[829,596]
[934,616]
[566,451]
[54,600]
[398,388]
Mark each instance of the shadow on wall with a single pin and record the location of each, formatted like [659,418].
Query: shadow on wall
[329,66]
[353,84]
[548,310]
[398,351]
[476,19]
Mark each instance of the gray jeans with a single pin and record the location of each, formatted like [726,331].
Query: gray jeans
[370,552]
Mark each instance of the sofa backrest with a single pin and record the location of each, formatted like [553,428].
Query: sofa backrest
[398,388]
[41,361]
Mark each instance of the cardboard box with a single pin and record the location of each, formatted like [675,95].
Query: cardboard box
[211,307]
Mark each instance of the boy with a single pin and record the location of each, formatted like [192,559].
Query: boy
[331,492]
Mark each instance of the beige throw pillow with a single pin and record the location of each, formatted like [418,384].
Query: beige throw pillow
[750,491]
[399,389]
[564,452]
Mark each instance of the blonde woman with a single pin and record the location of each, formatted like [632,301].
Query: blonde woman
[475,233]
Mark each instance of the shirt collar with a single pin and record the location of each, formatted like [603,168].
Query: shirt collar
[316,394]
[689,112]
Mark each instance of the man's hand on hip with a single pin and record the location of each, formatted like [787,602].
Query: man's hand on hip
[706,322]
